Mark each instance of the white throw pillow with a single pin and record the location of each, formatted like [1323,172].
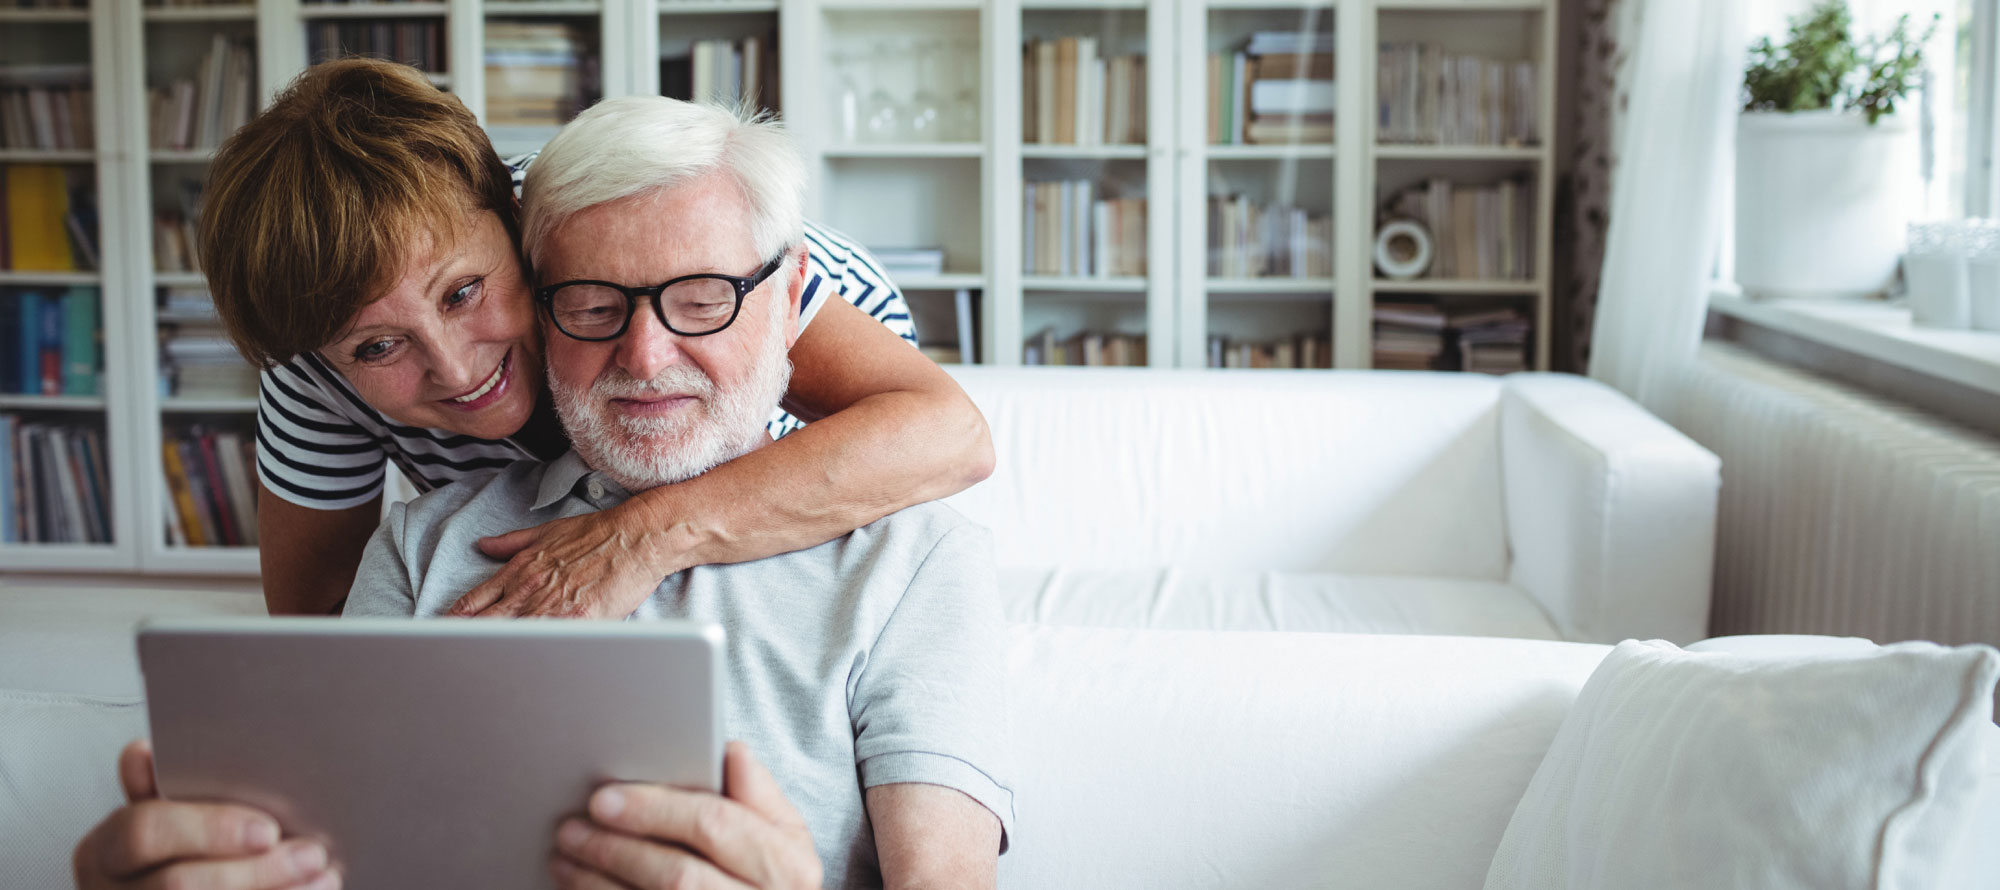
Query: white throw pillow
[1834,770]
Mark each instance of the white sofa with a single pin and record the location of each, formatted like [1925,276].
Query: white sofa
[1539,506]
[1205,742]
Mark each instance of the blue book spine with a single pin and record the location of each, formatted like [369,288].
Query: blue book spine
[50,369]
[10,337]
[29,364]
[8,533]
[79,342]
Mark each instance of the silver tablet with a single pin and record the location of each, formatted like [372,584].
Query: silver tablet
[437,753]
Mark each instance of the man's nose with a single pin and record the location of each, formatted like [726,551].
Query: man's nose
[647,347]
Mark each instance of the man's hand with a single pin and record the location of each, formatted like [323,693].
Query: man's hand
[650,837]
[157,843]
[585,566]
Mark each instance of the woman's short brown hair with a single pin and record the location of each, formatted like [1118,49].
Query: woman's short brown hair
[309,208]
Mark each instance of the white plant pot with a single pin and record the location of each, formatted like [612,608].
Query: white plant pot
[1822,202]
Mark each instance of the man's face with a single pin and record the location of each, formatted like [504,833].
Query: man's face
[653,407]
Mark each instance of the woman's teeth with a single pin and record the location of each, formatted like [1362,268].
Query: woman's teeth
[485,388]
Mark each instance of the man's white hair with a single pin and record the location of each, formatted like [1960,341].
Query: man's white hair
[640,144]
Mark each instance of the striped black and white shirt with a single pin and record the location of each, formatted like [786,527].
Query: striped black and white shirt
[320,446]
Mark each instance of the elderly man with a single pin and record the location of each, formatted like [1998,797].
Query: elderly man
[667,241]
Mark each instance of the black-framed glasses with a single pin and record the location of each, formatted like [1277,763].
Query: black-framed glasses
[691,305]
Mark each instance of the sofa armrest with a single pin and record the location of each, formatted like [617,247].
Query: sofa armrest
[1610,511]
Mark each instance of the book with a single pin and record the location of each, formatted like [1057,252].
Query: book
[37,205]
[49,345]
[79,342]
[231,450]
[1292,97]
[182,494]
[10,531]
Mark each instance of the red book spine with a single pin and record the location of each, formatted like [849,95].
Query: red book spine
[216,494]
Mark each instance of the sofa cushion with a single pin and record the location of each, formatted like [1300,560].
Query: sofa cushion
[1366,473]
[1244,599]
[79,639]
[1854,768]
[58,777]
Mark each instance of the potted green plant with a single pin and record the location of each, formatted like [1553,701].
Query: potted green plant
[1826,166]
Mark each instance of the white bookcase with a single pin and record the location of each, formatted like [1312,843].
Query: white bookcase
[962,193]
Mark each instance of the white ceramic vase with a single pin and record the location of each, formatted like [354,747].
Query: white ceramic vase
[1822,202]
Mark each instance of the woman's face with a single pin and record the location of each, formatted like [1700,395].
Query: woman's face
[453,344]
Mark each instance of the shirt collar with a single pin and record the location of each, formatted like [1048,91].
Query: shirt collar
[560,478]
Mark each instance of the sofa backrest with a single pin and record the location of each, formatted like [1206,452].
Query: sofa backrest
[1361,472]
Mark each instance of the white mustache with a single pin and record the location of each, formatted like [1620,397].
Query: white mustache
[679,380]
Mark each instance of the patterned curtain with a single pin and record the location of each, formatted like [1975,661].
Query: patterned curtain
[1603,54]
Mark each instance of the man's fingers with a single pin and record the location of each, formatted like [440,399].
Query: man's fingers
[571,875]
[639,862]
[135,771]
[293,864]
[747,782]
[152,833]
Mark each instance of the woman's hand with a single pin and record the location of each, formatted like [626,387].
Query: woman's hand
[151,842]
[589,566]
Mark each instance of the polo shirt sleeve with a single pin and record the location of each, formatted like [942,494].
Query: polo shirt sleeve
[309,452]
[930,704]
[384,586]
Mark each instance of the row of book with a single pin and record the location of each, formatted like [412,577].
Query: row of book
[1478,232]
[198,362]
[1091,349]
[724,71]
[1278,88]
[1249,240]
[211,488]
[44,4]
[417,42]
[50,342]
[1420,335]
[1072,95]
[46,107]
[175,241]
[1425,95]
[50,218]
[1296,352]
[538,73]
[1069,230]
[198,112]
[54,488]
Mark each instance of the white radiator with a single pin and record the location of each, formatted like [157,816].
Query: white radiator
[1842,513]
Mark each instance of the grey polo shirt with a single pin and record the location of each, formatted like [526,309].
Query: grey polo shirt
[872,659]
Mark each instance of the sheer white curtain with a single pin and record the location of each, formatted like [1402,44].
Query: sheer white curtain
[1676,144]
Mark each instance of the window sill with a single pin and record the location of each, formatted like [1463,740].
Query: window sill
[1875,330]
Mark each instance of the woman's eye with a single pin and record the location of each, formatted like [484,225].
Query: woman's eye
[374,350]
[464,294]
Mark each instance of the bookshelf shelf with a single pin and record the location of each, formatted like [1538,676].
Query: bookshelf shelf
[51,403]
[1500,287]
[176,405]
[1459,153]
[1084,152]
[543,7]
[179,278]
[1459,5]
[205,560]
[944,281]
[1118,285]
[41,16]
[716,7]
[244,12]
[906,150]
[181,156]
[310,11]
[65,557]
[900,5]
[1311,287]
[31,277]
[1327,5]
[1269,152]
[47,155]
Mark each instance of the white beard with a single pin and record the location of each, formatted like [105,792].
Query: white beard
[647,452]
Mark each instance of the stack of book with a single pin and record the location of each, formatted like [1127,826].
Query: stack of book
[1491,341]
[1086,349]
[1302,351]
[54,488]
[189,304]
[1071,95]
[724,71]
[199,362]
[46,106]
[212,499]
[199,111]
[1409,335]
[174,239]
[50,218]
[1277,89]
[905,262]
[1270,241]
[1069,230]
[535,73]
[412,41]
[1426,96]
[50,342]
[1485,232]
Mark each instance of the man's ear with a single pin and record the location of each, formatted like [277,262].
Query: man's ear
[794,291]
